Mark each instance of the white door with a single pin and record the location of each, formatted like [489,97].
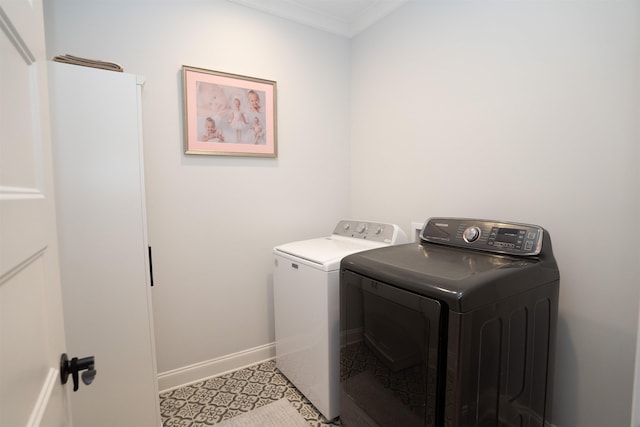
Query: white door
[31,320]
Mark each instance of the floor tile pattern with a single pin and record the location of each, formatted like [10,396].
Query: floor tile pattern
[217,399]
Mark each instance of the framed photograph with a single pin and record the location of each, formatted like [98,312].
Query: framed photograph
[228,114]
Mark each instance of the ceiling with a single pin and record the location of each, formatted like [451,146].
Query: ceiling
[342,17]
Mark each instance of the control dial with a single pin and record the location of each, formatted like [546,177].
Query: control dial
[362,227]
[471,234]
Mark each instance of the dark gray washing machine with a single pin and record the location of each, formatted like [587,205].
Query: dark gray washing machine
[457,330]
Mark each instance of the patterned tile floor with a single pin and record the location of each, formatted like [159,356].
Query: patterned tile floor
[217,399]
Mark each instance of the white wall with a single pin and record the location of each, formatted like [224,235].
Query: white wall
[525,111]
[213,221]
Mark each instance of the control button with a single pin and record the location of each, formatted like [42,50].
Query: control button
[471,234]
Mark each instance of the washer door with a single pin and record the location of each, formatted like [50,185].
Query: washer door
[389,355]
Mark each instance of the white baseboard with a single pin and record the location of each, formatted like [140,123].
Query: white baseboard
[215,367]
[351,336]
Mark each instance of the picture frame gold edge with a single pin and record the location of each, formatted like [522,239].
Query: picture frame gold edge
[273,83]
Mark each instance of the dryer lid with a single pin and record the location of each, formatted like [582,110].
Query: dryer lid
[463,279]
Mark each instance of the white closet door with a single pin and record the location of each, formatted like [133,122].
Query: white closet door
[103,244]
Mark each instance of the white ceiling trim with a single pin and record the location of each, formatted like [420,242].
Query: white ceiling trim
[332,21]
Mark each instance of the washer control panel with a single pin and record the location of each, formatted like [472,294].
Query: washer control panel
[374,231]
[490,236]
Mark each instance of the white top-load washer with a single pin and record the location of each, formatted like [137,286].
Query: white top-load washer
[307,306]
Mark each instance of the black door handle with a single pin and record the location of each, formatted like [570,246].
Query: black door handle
[150,267]
[74,366]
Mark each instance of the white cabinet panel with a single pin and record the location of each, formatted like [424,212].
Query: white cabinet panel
[103,244]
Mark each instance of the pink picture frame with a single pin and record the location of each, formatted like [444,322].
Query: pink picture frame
[228,114]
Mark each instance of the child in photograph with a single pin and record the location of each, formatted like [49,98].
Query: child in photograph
[211,101]
[254,101]
[258,131]
[238,119]
[213,134]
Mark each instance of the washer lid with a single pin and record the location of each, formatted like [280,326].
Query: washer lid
[324,253]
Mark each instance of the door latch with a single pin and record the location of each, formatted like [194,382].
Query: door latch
[74,366]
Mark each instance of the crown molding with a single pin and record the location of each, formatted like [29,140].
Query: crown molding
[297,11]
